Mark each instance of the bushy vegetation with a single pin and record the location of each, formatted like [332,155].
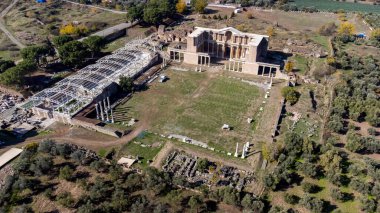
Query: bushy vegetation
[356,98]
[332,6]
[290,94]
[104,186]
[71,52]
[301,158]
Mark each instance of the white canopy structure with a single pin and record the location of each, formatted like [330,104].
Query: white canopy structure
[73,93]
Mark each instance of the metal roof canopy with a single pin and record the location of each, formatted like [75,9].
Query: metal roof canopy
[78,90]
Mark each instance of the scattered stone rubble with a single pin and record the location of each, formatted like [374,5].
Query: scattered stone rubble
[182,165]
[4,172]
[8,101]
[178,34]
[304,47]
[88,154]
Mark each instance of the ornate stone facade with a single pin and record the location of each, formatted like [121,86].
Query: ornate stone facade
[241,52]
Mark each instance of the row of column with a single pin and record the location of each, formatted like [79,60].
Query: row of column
[236,52]
[270,71]
[173,56]
[233,66]
[164,63]
[104,111]
[204,60]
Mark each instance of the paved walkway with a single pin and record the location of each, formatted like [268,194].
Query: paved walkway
[97,7]
[108,31]
[4,29]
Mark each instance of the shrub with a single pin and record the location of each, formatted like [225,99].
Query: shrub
[336,194]
[66,173]
[66,199]
[290,94]
[291,199]
[372,131]
[46,146]
[310,188]
[312,203]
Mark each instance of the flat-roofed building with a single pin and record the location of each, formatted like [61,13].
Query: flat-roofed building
[243,52]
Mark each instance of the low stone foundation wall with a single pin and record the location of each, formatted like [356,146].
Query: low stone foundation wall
[90,126]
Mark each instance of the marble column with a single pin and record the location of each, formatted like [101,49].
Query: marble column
[97,111]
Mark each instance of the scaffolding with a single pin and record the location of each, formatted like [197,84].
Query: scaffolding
[73,93]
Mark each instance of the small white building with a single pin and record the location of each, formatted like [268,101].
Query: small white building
[238,10]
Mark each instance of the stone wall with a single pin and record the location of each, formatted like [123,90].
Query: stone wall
[90,126]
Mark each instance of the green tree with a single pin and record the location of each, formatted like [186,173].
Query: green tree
[156,10]
[15,75]
[195,202]
[46,146]
[94,44]
[247,201]
[291,199]
[202,164]
[368,204]
[73,53]
[126,84]
[135,12]
[310,188]
[42,165]
[61,40]
[6,64]
[290,94]
[119,200]
[313,204]
[336,124]
[66,199]
[36,53]
[354,144]
[373,117]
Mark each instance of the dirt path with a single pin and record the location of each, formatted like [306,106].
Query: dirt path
[267,120]
[4,29]
[160,157]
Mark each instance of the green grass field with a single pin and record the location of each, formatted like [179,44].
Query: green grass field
[301,65]
[330,5]
[197,105]
[146,146]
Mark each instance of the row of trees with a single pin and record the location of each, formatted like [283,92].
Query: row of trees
[109,189]
[356,96]
[71,52]
[155,11]
[302,157]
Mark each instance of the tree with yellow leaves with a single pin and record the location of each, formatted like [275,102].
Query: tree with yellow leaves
[375,34]
[271,31]
[68,29]
[331,61]
[71,29]
[346,28]
[181,6]
[289,66]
